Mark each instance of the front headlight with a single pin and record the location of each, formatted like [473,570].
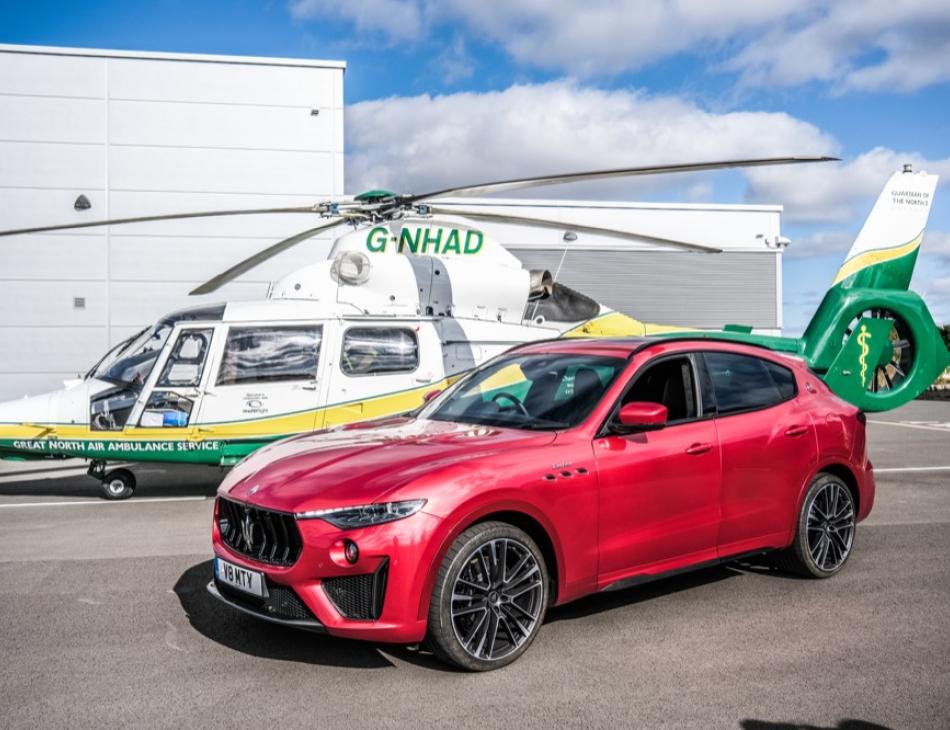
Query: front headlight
[364,515]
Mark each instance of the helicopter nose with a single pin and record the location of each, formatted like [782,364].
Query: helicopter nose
[33,409]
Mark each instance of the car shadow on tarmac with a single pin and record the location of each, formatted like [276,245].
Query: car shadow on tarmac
[251,636]
[248,635]
[842,725]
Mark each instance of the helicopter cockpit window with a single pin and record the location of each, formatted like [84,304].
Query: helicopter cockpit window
[270,354]
[372,350]
[186,361]
[134,363]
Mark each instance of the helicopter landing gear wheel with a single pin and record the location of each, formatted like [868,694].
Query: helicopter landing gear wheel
[118,484]
[898,361]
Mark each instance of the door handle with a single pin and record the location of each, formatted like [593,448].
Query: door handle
[697,449]
[308,386]
[796,430]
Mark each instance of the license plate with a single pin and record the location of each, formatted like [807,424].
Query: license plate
[249,581]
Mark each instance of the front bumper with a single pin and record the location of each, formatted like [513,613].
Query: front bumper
[268,610]
[402,551]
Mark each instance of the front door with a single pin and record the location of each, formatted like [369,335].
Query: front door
[660,490]
[265,382]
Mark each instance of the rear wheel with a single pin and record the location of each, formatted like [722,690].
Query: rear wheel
[489,599]
[825,533]
[118,484]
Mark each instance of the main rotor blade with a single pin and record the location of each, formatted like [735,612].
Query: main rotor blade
[535,182]
[261,256]
[521,220]
[320,208]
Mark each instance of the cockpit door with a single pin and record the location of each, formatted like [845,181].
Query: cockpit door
[172,400]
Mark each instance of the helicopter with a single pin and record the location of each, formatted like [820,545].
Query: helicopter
[414,296]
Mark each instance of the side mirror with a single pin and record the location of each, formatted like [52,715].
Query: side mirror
[430,395]
[643,416]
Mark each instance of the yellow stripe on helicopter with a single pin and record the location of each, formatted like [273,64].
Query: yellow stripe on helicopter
[876,256]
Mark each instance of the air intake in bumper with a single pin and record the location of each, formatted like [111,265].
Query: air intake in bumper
[359,597]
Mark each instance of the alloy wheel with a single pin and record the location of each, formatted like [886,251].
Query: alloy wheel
[830,525]
[497,599]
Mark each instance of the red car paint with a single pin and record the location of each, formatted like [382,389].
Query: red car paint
[610,507]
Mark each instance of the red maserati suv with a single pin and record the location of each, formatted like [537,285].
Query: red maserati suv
[554,471]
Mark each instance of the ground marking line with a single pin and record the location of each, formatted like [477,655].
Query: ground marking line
[912,468]
[912,425]
[103,502]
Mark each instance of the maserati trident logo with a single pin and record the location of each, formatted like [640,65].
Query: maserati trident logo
[249,528]
[253,490]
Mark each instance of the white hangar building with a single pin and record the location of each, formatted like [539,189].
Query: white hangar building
[93,134]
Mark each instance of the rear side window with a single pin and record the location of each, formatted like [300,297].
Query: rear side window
[270,354]
[744,382]
[372,350]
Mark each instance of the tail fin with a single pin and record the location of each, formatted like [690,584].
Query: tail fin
[874,342]
[885,251]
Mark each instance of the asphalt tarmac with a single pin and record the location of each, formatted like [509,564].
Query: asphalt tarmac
[104,622]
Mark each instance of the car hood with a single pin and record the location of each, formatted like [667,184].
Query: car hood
[360,465]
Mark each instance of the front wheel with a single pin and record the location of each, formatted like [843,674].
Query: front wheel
[118,484]
[825,533]
[489,599]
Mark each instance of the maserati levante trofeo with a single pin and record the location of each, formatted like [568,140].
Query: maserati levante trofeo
[557,470]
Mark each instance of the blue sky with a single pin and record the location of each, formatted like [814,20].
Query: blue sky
[513,87]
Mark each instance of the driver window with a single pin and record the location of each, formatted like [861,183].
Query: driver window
[669,382]
[186,361]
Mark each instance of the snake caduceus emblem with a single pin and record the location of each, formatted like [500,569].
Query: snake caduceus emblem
[863,338]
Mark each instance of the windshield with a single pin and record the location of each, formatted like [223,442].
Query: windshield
[133,363]
[539,392]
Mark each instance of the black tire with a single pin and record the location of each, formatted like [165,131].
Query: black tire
[823,542]
[475,557]
[118,484]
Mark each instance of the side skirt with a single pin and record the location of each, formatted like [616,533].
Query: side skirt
[639,580]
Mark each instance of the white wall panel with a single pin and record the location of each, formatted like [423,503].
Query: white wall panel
[175,259]
[50,303]
[51,350]
[53,75]
[36,165]
[140,303]
[221,83]
[51,119]
[177,124]
[27,207]
[230,171]
[126,204]
[40,256]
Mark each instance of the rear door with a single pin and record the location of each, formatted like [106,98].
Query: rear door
[382,368]
[660,490]
[768,447]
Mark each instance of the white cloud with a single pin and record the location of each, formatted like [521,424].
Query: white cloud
[850,44]
[833,192]
[605,36]
[821,243]
[413,144]
[396,20]
[854,44]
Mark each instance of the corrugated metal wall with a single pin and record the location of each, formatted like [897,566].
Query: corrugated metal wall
[698,290]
